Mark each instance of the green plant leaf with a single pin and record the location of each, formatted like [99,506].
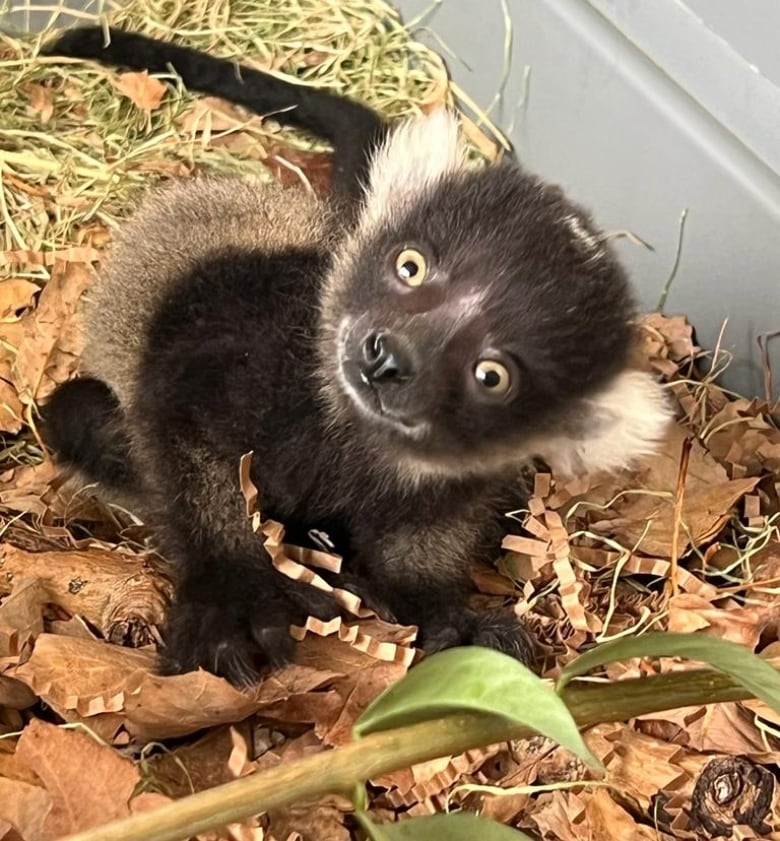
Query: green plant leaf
[738,662]
[374,831]
[475,680]
[458,826]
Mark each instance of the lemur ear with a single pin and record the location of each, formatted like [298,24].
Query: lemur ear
[414,157]
[624,421]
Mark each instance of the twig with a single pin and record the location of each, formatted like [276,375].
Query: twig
[339,770]
[763,341]
[668,285]
[679,496]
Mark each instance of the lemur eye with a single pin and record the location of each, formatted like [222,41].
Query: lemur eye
[411,267]
[493,376]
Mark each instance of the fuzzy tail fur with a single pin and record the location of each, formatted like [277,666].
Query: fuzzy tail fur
[83,425]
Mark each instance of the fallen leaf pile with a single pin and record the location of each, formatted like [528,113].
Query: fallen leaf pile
[687,540]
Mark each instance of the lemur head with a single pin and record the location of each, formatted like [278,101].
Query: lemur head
[475,318]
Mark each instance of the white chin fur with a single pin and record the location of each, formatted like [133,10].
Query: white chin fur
[624,421]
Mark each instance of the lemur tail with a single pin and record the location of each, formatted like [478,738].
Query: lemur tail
[83,425]
[354,130]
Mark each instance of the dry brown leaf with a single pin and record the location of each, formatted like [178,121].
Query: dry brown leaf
[85,676]
[14,695]
[16,295]
[358,693]
[329,687]
[298,693]
[90,677]
[21,616]
[27,489]
[52,342]
[197,766]
[560,816]
[637,765]
[606,820]
[705,511]
[72,254]
[73,627]
[320,821]
[159,707]
[143,90]
[11,408]
[744,625]
[731,729]
[655,474]
[148,800]
[89,784]
[46,492]
[293,166]
[25,808]
[41,99]
[296,679]
[320,710]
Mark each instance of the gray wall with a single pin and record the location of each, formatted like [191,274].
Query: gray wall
[642,109]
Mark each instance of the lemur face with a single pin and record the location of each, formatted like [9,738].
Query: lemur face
[471,311]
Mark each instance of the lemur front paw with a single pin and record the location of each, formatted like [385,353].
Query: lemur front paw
[306,600]
[499,631]
[502,632]
[234,641]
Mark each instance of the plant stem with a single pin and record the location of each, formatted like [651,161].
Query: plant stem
[337,771]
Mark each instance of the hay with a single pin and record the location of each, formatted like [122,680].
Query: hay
[73,152]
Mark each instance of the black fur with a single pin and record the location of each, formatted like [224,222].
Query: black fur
[352,128]
[264,349]
[225,380]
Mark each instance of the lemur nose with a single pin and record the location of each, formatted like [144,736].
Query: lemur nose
[385,360]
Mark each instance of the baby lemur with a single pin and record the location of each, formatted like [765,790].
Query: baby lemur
[394,355]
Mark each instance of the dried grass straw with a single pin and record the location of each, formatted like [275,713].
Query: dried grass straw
[74,152]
